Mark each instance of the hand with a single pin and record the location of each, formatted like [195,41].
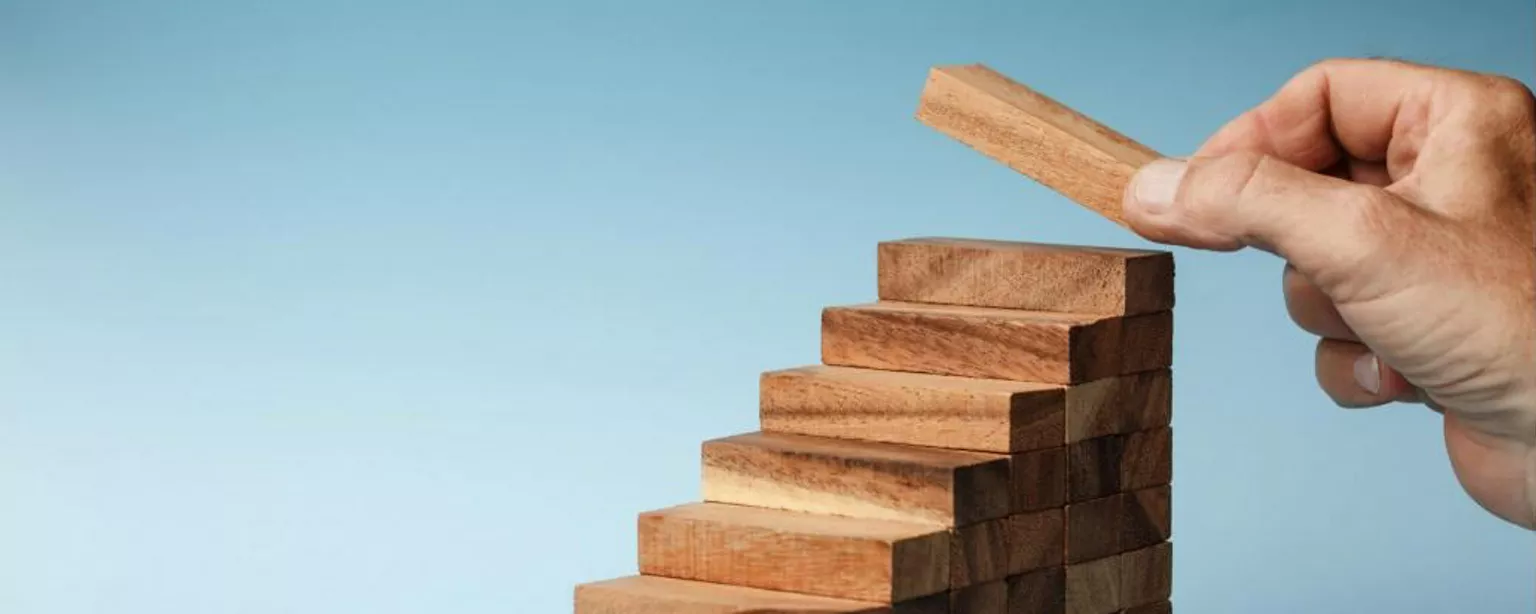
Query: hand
[1400,197]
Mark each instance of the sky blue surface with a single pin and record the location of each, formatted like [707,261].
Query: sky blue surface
[404,307]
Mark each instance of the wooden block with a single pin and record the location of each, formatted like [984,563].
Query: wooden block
[1093,587]
[1119,405]
[979,553]
[1146,575]
[1043,591]
[1094,528]
[1147,519]
[814,554]
[988,598]
[856,478]
[1147,459]
[1165,607]
[986,342]
[650,595]
[1036,540]
[1094,467]
[913,408]
[1034,135]
[1039,479]
[1028,276]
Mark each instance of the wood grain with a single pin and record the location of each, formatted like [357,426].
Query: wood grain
[1146,575]
[1034,135]
[913,408]
[979,553]
[1165,607]
[651,595]
[1093,587]
[1094,467]
[1119,405]
[858,479]
[987,598]
[1039,479]
[985,342]
[830,556]
[1148,517]
[1094,528]
[1036,540]
[1025,275]
[1146,459]
[1042,591]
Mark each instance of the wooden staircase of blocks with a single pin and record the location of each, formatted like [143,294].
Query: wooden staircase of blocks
[992,436]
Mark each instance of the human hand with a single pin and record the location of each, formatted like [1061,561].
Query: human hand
[1401,198]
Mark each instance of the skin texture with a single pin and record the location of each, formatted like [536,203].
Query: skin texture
[1400,197]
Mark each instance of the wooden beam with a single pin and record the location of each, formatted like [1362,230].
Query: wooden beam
[814,554]
[1028,276]
[1034,135]
[651,595]
[855,478]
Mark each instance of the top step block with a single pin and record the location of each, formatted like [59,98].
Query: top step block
[1028,276]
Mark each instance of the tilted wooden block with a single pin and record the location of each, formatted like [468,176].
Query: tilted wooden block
[988,598]
[1034,135]
[651,595]
[1039,479]
[1165,607]
[944,411]
[913,408]
[1093,587]
[1146,575]
[1148,517]
[854,478]
[1042,591]
[1146,459]
[1095,528]
[1028,276]
[994,343]
[979,553]
[831,556]
[1036,540]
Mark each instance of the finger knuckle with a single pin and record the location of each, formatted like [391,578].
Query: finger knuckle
[1510,99]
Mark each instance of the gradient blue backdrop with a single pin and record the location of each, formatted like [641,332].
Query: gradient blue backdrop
[404,307]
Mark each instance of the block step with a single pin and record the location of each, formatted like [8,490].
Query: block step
[652,595]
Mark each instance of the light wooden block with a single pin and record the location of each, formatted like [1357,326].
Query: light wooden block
[1094,467]
[1042,591]
[815,554]
[1165,607]
[1034,135]
[1028,276]
[1039,479]
[979,553]
[1146,459]
[984,342]
[913,408]
[1146,575]
[858,479]
[651,595]
[1148,517]
[988,598]
[1119,405]
[1093,587]
[1036,540]
[1094,528]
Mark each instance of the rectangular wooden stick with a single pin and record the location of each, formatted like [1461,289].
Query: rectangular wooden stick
[1034,135]
[652,595]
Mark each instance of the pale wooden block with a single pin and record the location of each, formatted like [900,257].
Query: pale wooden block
[1036,540]
[1093,587]
[987,598]
[1119,405]
[979,553]
[1146,459]
[1095,527]
[1042,591]
[984,342]
[913,408]
[1039,479]
[814,554]
[1024,275]
[1148,517]
[1146,575]
[651,595]
[855,478]
[1034,135]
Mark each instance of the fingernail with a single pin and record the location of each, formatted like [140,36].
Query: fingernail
[1368,373]
[1157,183]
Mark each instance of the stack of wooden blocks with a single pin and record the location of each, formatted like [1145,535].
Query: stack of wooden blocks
[992,436]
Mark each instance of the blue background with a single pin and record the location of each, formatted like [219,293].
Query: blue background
[315,307]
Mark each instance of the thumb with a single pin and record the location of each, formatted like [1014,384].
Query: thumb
[1323,226]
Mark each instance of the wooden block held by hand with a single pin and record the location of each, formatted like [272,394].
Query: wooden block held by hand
[1034,135]
[984,342]
[913,408]
[1146,575]
[1027,276]
[857,479]
[814,554]
[651,595]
